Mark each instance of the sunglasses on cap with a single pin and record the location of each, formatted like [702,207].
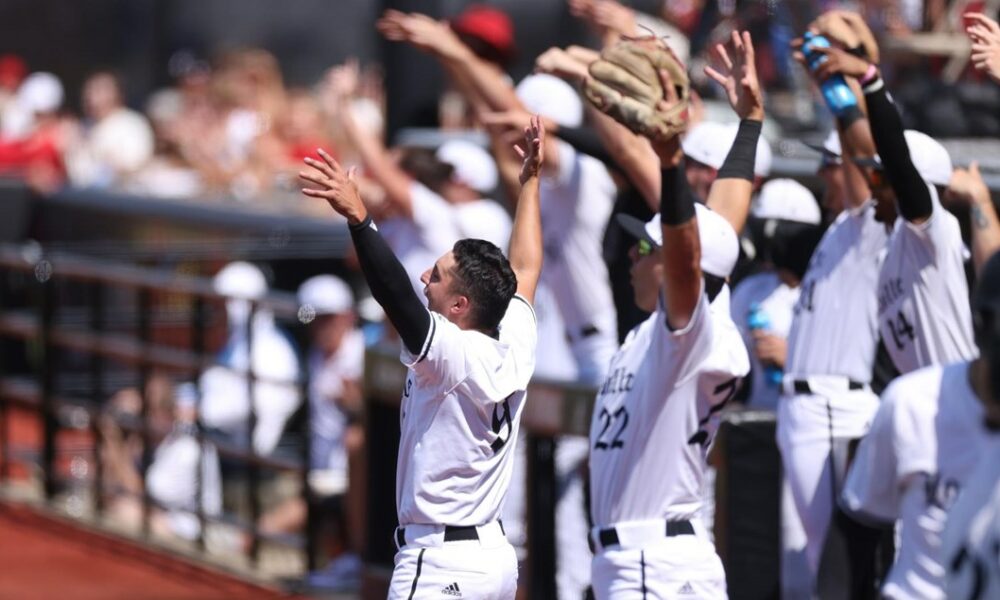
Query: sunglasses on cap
[645,248]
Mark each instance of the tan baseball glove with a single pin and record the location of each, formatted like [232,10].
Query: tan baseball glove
[625,84]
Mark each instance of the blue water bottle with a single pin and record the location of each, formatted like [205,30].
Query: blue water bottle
[757,319]
[836,92]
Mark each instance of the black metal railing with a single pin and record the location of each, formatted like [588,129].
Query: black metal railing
[40,318]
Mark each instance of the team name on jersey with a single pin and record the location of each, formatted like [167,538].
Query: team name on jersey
[617,382]
[891,291]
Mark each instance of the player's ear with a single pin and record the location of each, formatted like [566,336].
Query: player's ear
[460,304]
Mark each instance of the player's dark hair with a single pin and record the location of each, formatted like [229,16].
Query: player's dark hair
[485,277]
[713,285]
[424,166]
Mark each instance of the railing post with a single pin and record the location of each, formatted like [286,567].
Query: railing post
[253,472]
[143,322]
[312,520]
[48,374]
[541,453]
[97,392]
[198,348]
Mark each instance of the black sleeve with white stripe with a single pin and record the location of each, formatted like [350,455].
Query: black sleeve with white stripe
[390,286]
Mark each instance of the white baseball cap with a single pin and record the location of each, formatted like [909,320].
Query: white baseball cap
[326,295]
[473,165]
[240,280]
[551,97]
[929,157]
[719,247]
[40,92]
[708,143]
[786,199]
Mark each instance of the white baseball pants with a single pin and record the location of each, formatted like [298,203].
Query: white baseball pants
[810,427]
[684,567]
[427,567]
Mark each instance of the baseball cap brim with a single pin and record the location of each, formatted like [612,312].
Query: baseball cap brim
[636,228]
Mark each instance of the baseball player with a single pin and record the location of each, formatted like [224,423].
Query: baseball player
[923,309]
[827,399]
[470,358]
[656,413]
[920,453]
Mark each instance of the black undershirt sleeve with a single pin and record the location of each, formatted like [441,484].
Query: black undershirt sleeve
[912,196]
[742,154]
[677,199]
[390,285]
[586,141]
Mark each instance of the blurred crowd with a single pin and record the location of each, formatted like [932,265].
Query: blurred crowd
[230,127]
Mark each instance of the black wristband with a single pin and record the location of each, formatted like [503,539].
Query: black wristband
[859,51]
[740,160]
[849,116]
[676,196]
[359,226]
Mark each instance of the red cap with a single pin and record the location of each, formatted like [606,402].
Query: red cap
[12,71]
[489,24]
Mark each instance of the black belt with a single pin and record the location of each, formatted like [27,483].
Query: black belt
[609,536]
[452,533]
[801,386]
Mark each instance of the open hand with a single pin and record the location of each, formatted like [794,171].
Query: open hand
[985,35]
[846,30]
[736,71]
[335,185]
[531,149]
[420,31]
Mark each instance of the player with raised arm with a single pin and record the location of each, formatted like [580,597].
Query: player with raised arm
[656,414]
[923,296]
[470,355]
[922,452]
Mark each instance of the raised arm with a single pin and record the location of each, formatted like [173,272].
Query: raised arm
[913,198]
[388,281]
[736,72]
[525,253]
[482,83]
[341,84]
[967,187]
[984,33]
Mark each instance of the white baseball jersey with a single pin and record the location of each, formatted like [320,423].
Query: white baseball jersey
[656,415]
[926,439]
[834,330]
[326,387]
[419,242]
[923,297]
[972,534]
[777,301]
[172,480]
[576,205]
[459,418]
[484,220]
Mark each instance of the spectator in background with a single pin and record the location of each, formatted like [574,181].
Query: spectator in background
[225,398]
[12,73]
[170,172]
[33,135]
[336,366]
[172,478]
[785,221]
[114,141]
[473,178]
